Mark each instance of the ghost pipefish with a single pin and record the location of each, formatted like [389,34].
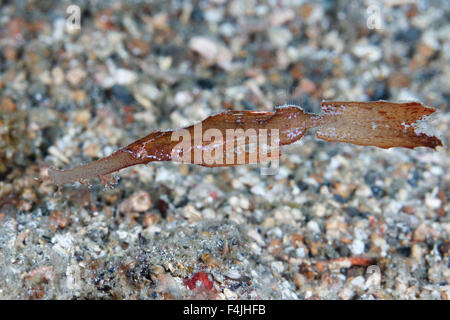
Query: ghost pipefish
[382,124]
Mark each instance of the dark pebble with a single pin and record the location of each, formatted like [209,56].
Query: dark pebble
[184,201]
[79,256]
[414,179]
[142,240]
[248,105]
[197,15]
[380,92]
[122,94]
[409,35]
[344,251]
[205,83]
[444,248]
[338,198]
[404,251]
[162,206]
[354,212]
[302,186]
[377,192]
[331,253]
[375,39]
[146,273]
[370,177]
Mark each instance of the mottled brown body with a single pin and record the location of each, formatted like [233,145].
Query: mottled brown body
[382,124]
